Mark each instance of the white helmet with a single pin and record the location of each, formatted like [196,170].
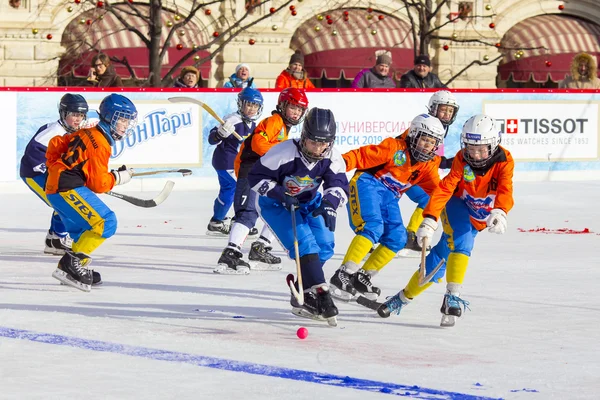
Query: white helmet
[443,97]
[426,125]
[480,130]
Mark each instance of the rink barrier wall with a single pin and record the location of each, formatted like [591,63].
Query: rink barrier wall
[552,134]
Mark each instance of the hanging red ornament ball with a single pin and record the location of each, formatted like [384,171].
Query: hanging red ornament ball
[492,25]
[77,1]
[272,10]
[548,63]
[330,21]
[381,17]
[294,13]
[216,34]
[561,7]
[179,46]
[49,36]
[130,1]
[88,21]
[346,13]
[328,17]
[369,10]
[100,4]
[251,42]
[292,8]
[498,45]
[346,18]
[207,12]
[446,47]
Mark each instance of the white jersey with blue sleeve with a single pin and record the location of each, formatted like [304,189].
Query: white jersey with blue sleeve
[33,162]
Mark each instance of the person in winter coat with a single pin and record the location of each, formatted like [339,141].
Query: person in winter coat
[294,76]
[377,76]
[188,78]
[421,76]
[102,73]
[584,73]
[241,78]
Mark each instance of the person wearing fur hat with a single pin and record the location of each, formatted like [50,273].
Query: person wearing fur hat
[241,78]
[584,73]
[377,76]
[188,78]
[421,76]
[294,76]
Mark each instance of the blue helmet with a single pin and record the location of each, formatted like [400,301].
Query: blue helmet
[250,96]
[71,103]
[116,108]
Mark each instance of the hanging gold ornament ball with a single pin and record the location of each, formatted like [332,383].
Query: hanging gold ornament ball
[517,55]
[320,17]
[486,57]
[177,17]
[194,46]
[369,17]
[374,32]
[334,32]
[181,33]
[69,9]
[488,7]
[521,52]
[455,35]
[34,31]
[82,21]
[169,24]
[101,16]
[317,28]
[196,58]
[274,27]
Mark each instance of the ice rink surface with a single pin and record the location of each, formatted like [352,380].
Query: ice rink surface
[163,326]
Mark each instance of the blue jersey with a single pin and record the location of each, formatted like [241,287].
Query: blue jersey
[284,168]
[33,162]
[227,149]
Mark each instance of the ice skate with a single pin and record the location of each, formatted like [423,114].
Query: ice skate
[341,285]
[451,308]
[231,263]
[361,281]
[393,304]
[318,305]
[72,271]
[412,248]
[218,228]
[327,308]
[57,245]
[260,258]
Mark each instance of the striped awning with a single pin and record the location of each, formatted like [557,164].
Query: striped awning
[549,43]
[97,30]
[350,46]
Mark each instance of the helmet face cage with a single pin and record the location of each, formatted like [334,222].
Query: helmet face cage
[420,154]
[292,96]
[310,156]
[116,124]
[491,145]
[440,98]
[72,104]
[250,96]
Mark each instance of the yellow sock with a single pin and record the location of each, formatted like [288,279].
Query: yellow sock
[379,258]
[415,220]
[358,249]
[88,242]
[456,267]
[413,289]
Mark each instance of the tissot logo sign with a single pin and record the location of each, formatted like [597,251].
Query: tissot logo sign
[547,130]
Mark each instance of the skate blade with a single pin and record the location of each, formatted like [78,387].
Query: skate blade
[224,270]
[332,321]
[54,252]
[408,253]
[217,234]
[260,266]
[448,321]
[65,279]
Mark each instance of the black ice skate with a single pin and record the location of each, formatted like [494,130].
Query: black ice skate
[341,283]
[451,308]
[318,304]
[231,263]
[361,281]
[262,260]
[327,308]
[412,248]
[218,228]
[72,271]
[57,245]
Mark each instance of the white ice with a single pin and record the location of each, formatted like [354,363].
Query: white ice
[163,326]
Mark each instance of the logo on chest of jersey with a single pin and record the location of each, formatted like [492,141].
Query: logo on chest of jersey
[479,208]
[468,174]
[400,158]
[297,184]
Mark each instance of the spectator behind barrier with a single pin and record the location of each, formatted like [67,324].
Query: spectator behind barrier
[584,73]
[188,78]
[102,73]
[241,78]
[421,76]
[294,76]
[377,76]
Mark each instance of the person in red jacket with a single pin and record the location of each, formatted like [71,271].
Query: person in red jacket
[294,75]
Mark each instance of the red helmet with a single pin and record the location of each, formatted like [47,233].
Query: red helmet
[292,96]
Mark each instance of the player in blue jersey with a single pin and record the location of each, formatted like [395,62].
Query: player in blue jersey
[243,122]
[288,177]
[72,111]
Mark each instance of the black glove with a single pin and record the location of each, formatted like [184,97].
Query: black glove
[328,212]
[289,201]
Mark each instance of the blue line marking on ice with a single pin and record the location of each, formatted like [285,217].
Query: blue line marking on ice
[348,382]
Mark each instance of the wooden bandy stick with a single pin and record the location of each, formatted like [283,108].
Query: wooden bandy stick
[206,107]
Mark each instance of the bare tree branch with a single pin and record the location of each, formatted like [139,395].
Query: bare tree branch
[474,62]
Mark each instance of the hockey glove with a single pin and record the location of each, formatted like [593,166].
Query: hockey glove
[226,130]
[122,175]
[327,210]
[289,201]
[497,221]
[426,230]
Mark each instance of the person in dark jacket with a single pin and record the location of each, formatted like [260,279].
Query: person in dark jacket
[421,76]
[377,76]
[102,73]
[188,78]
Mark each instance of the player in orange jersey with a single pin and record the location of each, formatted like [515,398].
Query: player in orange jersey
[476,194]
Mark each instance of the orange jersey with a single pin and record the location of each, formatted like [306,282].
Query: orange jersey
[481,193]
[268,133]
[391,164]
[79,159]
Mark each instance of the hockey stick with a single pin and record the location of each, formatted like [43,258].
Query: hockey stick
[206,107]
[423,279]
[184,172]
[162,196]
[299,293]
